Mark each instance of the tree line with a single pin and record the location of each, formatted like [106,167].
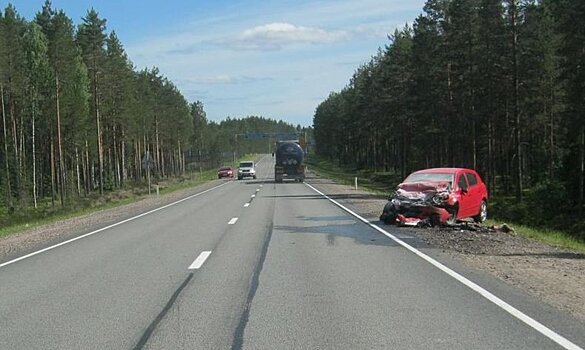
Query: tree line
[494,85]
[76,115]
[217,143]
[78,118]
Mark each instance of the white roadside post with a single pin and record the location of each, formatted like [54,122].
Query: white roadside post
[355,180]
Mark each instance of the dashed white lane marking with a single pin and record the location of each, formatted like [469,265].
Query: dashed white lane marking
[232,221]
[110,226]
[200,260]
[246,205]
[542,329]
[261,186]
[257,190]
[253,196]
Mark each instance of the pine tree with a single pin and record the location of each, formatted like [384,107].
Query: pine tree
[12,82]
[91,38]
[118,102]
[38,73]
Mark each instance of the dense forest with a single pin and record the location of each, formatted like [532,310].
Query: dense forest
[79,119]
[494,85]
[216,143]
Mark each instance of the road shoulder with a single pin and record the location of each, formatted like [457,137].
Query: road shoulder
[555,276]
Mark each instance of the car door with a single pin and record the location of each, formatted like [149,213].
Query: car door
[474,193]
[464,197]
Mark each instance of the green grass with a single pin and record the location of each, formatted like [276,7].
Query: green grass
[378,183]
[552,237]
[43,216]
[46,214]
[384,183]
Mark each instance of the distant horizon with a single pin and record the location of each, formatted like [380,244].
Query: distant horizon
[248,58]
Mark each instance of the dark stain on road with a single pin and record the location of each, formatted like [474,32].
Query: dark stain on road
[148,332]
[238,340]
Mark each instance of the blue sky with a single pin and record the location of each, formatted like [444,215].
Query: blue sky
[277,59]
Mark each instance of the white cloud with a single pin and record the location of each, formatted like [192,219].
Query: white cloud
[274,36]
[223,79]
[212,80]
[272,58]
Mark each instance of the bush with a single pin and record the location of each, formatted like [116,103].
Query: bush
[548,202]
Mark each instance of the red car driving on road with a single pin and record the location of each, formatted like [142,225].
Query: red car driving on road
[225,172]
[438,195]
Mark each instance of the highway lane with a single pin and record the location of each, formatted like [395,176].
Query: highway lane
[103,291]
[293,271]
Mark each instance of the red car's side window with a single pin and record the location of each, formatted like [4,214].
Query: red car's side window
[462,183]
[471,178]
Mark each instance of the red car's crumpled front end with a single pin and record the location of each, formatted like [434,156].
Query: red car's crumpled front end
[419,203]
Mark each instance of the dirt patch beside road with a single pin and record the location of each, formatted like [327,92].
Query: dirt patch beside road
[556,276]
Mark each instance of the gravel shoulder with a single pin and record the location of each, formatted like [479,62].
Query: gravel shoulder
[555,276]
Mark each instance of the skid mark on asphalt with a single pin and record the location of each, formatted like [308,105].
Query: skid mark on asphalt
[148,332]
[238,340]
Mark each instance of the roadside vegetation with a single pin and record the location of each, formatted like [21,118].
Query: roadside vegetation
[383,183]
[497,86]
[46,214]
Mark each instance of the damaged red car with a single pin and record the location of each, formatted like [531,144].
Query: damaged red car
[437,196]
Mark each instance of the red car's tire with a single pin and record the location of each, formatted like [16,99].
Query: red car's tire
[482,215]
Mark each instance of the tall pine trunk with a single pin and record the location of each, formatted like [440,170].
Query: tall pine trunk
[34,157]
[77,171]
[59,144]
[8,187]
[123,151]
[581,176]
[513,8]
[99,134]
[116,158]
[18,172]
[52,170]
[157,151]
[87,174]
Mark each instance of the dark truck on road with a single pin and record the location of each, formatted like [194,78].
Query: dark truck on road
[290,161]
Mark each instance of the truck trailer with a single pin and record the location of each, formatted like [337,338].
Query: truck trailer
[290,161]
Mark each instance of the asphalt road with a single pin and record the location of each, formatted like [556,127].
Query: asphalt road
[256,265]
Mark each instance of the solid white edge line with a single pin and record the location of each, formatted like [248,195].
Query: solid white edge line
[109,226]
[232,221]
[246,205]
[200,260]
[552,335]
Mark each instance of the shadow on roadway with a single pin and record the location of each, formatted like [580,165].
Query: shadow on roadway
[326,226]
[332,196]
[256,182]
